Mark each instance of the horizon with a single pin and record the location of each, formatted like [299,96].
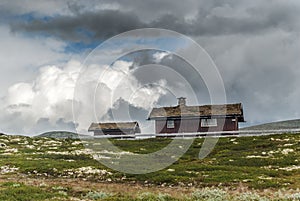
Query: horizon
[75,132]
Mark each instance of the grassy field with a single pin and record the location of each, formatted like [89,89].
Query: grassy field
[239,168]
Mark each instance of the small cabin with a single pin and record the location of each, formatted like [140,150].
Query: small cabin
[115,128]
[203,118]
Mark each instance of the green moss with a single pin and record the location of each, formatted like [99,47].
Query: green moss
[19,192]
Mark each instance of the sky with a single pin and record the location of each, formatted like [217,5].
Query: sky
[53,79]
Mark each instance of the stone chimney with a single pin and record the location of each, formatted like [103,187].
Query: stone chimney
[181,101]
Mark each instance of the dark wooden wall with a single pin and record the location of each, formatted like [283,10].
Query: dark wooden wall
[194,125]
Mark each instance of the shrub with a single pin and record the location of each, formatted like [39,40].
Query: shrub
[295,197]
[249,196]
[147,196]
[93,195]
[209,194]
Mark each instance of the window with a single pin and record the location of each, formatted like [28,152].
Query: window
[170,124]
[208,122]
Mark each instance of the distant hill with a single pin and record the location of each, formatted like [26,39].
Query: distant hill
[289,124]
[62,135]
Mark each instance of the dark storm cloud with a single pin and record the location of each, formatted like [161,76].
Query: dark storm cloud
[83,26]
[261,71]
[124,111]
[213,18]
[174,70]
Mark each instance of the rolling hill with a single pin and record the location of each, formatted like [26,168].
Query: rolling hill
[289,124]
[62,135]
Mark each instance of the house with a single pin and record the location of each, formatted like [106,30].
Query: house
[204,118]
[116,128]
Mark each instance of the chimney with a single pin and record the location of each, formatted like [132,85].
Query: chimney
[181,101]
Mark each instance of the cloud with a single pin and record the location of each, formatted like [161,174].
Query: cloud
[38,9]
[46,102]
[99,89]
[261,72]
[22,56]
[49,97]
[158,56]
[84,26]
[123,111]
[211,18]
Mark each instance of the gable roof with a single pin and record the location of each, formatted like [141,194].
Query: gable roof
[198,111]
[114,126]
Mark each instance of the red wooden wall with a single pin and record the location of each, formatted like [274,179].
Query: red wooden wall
[194,125]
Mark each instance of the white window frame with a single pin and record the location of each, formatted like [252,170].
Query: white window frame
[209,122]
[170,124]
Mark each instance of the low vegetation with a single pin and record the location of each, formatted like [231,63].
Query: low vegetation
[239,168]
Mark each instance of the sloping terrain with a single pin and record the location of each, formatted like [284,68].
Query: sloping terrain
[289,124]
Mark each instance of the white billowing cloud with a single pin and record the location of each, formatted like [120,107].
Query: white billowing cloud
[21,56]
[158,56]
[141,97]
[94,98]
[25,92]
[49,97]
